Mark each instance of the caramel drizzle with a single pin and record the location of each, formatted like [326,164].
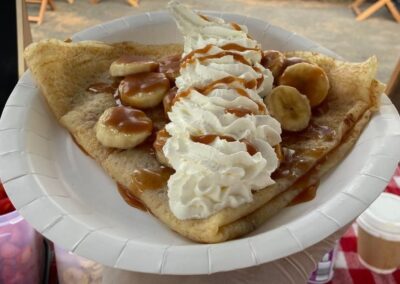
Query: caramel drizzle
[161,139]
[236,56]
[228,46]
[239,112]
[235,26]
[214,85]
[148,179]
[204,17]
[190,58]
[209,138]
[129,120]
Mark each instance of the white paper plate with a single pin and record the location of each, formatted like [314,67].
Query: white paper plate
[68,198]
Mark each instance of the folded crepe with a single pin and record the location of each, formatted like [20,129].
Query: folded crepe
[65,70]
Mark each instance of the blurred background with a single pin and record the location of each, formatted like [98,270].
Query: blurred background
[330,23]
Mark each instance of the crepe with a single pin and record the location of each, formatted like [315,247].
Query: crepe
[65,70]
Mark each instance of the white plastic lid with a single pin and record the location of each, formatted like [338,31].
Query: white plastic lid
[382,218]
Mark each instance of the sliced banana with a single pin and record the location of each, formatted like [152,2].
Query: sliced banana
[158,145]
[132,64]
[289,107]
[123,127]
[309,79]
[144,90]
[274,61]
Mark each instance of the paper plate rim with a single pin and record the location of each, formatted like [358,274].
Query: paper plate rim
[196,258]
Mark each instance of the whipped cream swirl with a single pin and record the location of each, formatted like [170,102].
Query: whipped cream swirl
[219,99]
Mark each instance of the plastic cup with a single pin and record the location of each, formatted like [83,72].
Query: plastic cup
[379,235]
[73,269]
[21,251]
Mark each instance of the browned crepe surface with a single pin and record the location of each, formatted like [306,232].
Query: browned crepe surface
[65,70]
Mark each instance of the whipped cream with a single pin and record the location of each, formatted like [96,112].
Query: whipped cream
[222,172]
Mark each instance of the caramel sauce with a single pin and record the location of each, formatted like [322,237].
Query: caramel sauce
[260,80]
[179,95]
[170,66]
[189,58]
[223,81]
[128,58]
[251,149]
[238,28]
[203,50]
[130,198]
[237,47]
[161,139]
[226,47]
[252,84]
[242,92]
[212,86]
[168,100]
[239,112]
[101,87]
[129,120]
[307,194]
[235,26]
[204,17]
[296,163]
[236,56]
[143,82]
[148,179]
[313,131]
[209,138]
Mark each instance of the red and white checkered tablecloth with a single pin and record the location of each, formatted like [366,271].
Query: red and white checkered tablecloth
[348,269]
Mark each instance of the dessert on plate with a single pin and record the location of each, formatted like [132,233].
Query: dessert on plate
[212,137]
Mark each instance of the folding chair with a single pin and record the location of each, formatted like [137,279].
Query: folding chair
[362,15]
[43,6]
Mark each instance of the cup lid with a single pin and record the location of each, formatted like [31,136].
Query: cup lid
[383,215]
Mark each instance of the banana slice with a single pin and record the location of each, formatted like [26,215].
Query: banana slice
[289,107]
[274,61]
[123,127]
[309,79]
[158,145]
[132,64]
[144,90]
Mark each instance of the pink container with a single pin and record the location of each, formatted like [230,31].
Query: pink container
[21,251]
[73,269]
